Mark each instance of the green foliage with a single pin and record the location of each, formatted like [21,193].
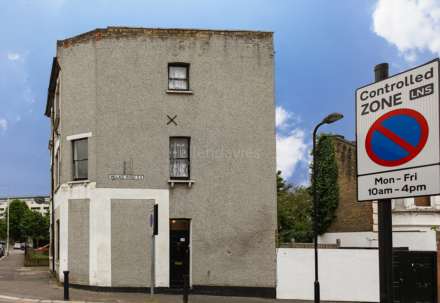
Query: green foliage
[36,226]
[294,212]
[2,229]
[326,182]
[25,224]
[17,211]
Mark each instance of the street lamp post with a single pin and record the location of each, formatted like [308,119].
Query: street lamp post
[327,120]
[7,228]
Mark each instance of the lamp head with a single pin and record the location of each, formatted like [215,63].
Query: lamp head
[332,118]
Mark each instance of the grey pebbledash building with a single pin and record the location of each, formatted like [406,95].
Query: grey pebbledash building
[181,118]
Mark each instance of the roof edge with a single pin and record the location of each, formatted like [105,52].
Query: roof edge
[52,86]
[120,31]
[342,139]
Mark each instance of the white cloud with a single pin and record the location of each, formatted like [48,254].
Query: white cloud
[292,148]
[13,56]
[411,25]
[281,116]
[285,119]
[3,125]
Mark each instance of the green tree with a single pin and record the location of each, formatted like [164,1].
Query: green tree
[17,212]
[25,224]
[294,212]
[2,229]
[36,226]
[326,182]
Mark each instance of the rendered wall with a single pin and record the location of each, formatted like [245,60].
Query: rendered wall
[79,248]
[131,242]
[114,86]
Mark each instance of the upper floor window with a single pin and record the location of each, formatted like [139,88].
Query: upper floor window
[179,158]
[422,201]
[80,159]
[178,76]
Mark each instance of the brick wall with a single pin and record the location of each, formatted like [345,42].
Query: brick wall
[351,216]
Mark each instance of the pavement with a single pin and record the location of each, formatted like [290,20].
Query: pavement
[35,284]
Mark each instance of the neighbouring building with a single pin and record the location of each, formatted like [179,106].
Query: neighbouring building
[416,227]
[179,118]
[415,220]
[37,203]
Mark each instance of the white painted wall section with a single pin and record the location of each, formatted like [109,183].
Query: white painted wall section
[344,274]
[64,240]
[100,228]
[100,246]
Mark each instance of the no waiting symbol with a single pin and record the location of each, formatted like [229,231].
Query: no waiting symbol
[397,137]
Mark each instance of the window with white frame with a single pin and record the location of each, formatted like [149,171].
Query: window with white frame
[80,159]
[179,157]
[178,76]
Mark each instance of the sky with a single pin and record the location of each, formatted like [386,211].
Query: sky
[324,51]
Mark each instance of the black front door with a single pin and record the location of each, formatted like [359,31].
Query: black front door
[415,277]
[179,251]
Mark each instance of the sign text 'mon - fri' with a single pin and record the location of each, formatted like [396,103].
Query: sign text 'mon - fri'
[397,130]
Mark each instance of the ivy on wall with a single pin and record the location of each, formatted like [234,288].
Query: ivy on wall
[326,182]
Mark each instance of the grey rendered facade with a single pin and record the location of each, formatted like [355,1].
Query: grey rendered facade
[111,87]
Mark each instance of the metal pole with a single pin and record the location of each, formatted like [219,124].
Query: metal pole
[185,288]
[152,277]
[385,226]
[315,218]
[7,230]
[52,207]
[66,285]
[152,282]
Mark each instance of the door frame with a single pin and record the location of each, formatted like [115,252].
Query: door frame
[189,247]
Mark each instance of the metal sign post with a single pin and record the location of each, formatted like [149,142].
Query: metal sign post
[7,229]
[385,222]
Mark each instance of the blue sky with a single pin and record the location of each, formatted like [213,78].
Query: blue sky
[324,51]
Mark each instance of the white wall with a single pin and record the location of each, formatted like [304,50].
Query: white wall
[344,274]
[100,228]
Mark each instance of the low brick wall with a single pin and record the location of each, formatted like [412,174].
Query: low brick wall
[33,259]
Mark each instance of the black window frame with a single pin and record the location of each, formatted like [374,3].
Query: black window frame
[188,158]
[179,64]
[74,161]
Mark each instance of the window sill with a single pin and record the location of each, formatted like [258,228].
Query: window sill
[179,92]
[84,182]
[172,182]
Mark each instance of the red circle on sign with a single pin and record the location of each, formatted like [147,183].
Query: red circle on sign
[415,150]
